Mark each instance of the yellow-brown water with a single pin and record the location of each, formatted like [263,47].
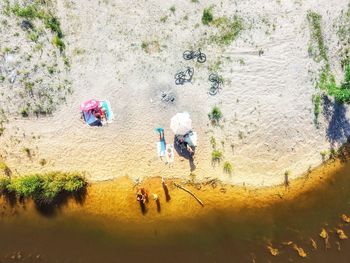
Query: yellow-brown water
[235,224]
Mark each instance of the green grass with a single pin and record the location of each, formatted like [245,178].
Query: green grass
[229,29]
[316,99]
[216,156]
[317,35]
[213,142]
[172,9]
[207,16]
[228,167]
[57,42]
[326,81]
[45,188]
[215,115]
[35,11]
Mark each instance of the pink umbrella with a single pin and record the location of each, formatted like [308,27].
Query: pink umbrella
[89,105]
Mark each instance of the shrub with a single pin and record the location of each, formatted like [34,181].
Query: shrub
[52,23]
[57,42]
[215,115]
[26,186]
[316,99]
[47,187]
[216,156]
[207,16]
[4,183]
[228,167]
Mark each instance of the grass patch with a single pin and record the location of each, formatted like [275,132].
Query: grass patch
[47,187]
[229,29]
[228,167]
[326,81]
[35,11]
[320,52]
[216,156]
[316,99]
[213,142]
[207,16]
[215,115]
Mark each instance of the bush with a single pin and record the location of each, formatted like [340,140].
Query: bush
[46,188]
[57,42]
[215,115]
[4,183]
[26,186]
[216,156]
[207,16]
[228,168]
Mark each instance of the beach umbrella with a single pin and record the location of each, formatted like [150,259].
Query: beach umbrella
[181,123]
[89,105]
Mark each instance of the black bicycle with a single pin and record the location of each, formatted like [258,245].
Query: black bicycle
[216,81]
[184,76]
[189,54]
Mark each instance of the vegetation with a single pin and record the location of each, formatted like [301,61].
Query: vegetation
[216,156]
[228,167]
[316,99]
[320,52]
[207,16]
[35,11]
[215,115]
[172,9]
[229,29]
[213,142]
[44,188]
[326,81]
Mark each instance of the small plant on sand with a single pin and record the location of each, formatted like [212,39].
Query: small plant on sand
[24,112]
[215,115]
[4,183]
[324,155]
[4,170]
[228,167]
[27,151]
[213,142]
[42,162]
[207,16]
[216,156]
[57,42]
[172,9]
[163,19]
[316,99]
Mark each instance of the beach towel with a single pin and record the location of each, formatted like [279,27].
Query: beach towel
[161,148]
[169,153]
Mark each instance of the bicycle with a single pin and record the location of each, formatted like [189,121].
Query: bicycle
[189,54]
[216,81]
[184,76]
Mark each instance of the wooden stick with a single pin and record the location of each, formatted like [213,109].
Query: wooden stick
[188,191]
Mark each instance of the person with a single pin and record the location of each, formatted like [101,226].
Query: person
[142,196]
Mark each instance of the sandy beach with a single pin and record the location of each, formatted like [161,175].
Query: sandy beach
[129,53]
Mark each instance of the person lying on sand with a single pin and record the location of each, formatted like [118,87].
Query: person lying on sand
[142,196]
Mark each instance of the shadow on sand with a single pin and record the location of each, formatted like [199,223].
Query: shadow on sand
[186,154]
[48,209]
[338,129]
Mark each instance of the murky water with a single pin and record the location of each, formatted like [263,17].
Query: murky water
[235,225]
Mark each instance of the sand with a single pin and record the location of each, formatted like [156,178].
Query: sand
[266,100]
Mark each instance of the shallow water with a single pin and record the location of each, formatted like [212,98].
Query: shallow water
[232,226]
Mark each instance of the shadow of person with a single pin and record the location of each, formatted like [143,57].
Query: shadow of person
[158,206]
[183,152]
[143,207]
[166,191]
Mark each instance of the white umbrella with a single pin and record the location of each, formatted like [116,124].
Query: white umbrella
[181,123]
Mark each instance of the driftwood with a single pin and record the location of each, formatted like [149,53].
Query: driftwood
[188,191]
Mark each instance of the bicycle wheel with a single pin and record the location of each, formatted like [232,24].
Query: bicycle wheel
[201,58]
[213,91]
[187,55]
[179,75]
[179,81]
[213,77]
